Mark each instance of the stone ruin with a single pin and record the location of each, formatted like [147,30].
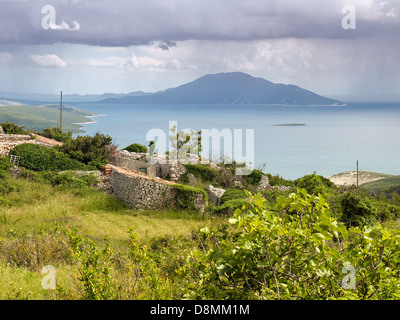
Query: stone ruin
[9,141]
[215,195]
[155,167]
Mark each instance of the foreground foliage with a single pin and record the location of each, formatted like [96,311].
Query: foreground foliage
[297,251]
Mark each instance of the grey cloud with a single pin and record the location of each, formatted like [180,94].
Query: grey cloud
[165,45]
[125,23]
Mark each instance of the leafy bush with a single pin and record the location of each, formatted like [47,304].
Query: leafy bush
[56,134]
[307,255]
[92,151]
[135,147]
[185,196]
[105,274]
[203,172]
[5,164]
[358,209]
[253,178]
[315,184]
[226,177]
[7,185]
[233,194]
[70,180]
[11,128]
[229,207]
[38,158]
[276,180]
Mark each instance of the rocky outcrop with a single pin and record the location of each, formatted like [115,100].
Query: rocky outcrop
[264,184]
[215,195]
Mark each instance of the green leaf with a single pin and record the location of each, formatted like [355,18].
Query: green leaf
[233,221]
[318,236]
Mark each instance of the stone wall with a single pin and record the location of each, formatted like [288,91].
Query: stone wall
[9,141]
[157,166]
[140,191]
[134,165]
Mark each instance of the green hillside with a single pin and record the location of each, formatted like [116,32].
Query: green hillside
[41,117]
[390,185]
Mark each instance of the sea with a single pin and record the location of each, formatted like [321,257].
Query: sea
[290,141]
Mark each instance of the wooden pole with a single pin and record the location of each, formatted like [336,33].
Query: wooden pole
[357,173]
[61,105]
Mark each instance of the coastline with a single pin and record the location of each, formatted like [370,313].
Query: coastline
[90,117]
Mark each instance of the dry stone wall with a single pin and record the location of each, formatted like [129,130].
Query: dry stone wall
[9,141]
[157,166]
[140,191]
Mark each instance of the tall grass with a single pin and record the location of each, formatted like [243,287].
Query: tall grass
[35,217]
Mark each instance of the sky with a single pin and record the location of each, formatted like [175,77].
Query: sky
[336,48]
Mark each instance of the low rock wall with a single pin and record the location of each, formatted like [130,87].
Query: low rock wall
[9,141]
[140,191]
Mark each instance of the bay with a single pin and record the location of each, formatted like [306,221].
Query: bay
[291,141]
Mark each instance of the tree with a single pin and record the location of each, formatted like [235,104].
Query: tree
[11,128]
[89,150]
[57,134]
[136,147]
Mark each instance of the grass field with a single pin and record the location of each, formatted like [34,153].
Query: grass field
[39,118]
[35,210]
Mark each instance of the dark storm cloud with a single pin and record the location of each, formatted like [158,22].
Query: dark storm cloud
[125,23]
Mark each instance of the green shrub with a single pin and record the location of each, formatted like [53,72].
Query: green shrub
[104,274]
[229,207]
[358,209]
[94,266]
[276,180]
[203,172]
[56,134]
[11,128]
[7,185]
[315,184]
[304,256]
[70,180]
[38,158]
[186,195]
[92,151]
[233,194]
[5,164]
[253,178]
[135,147]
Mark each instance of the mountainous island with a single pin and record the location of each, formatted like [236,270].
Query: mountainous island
[219,88]
[228,88]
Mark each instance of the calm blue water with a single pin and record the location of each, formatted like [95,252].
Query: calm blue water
[331,141]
